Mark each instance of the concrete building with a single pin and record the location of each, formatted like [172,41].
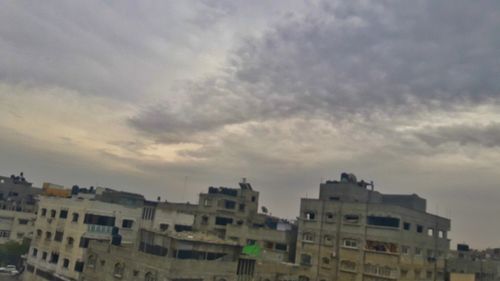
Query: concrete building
[233,214]
[17,208]
[481,265]
[67,222]
[352,232]
[181,256]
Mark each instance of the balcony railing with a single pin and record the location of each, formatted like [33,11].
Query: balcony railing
[99,229]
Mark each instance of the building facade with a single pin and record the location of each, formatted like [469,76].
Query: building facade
[18,206]
[353,233]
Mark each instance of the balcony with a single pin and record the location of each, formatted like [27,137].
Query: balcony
[98,231]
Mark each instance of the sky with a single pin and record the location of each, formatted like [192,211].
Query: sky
[166,98]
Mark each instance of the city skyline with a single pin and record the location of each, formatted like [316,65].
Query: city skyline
[165,99]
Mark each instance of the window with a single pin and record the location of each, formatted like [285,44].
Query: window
[242,207]
[163,226]
[406,226]
[54,257]
[229,204]
[223,221]
[66,263]
[34,252]
[118,270]
[181,228]
[127,223]
[380,246]
[75,217]
[430,253]
[308,237]
[79,266]
[71,241]
[325,260]
[280,247]
[43,213]
[330,217]
[84,242]
[420,228]
[58,236]
[430,231]
[404,273]
[310,215]
[48,235]
[39,233]
[441,234]
[23,221]
[44,255]
[52,213]
[254,198]
[350,243]
[351,218]
[135,273]
[305,259]
[251,242]
[268,245]
[63,214]
[383,221]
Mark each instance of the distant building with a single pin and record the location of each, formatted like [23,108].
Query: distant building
[18,205]
[481,265]
[352,232]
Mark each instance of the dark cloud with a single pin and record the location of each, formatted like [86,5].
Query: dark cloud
[342,59]
[485,135]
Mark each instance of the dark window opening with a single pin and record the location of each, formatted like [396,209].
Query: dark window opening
[351,218]
[223,221]
[75,217]
[229,204]
[242,207]
[58,236]
[334,198]
[65,263]
[383,221]
[281,247]
[44,212]
[163,226]
[99,220]
[84,242]
[63,214]
[54,258]
[181,228]
[406,226]
[52,213]
[79,266]
[420,229]
[310,215]
[127,223]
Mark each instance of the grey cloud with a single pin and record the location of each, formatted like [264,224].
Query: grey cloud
[345,59]
[486,135]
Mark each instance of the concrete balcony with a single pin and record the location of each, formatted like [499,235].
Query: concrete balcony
[98,231]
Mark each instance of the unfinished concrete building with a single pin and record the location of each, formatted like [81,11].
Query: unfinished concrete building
[352,232]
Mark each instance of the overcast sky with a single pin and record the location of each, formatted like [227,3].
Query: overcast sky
[167,98]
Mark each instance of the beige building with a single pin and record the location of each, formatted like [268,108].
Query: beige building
[65,226]
[16,226]
[232,214]
[352,232]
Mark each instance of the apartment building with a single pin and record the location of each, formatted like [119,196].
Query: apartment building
[233,214]
[69,219]
[352,232]
[17,208]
